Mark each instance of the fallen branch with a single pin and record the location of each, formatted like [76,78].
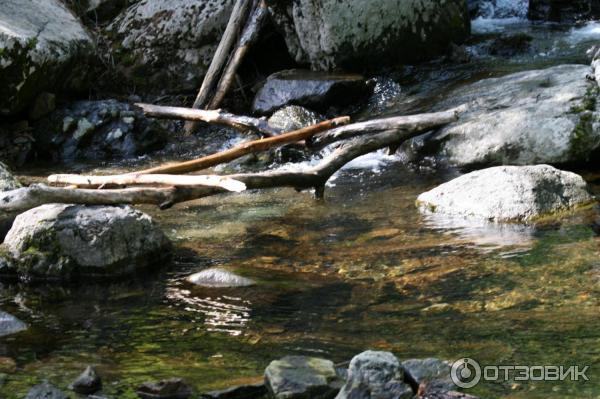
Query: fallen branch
[234,26]
[312,177]
[246,148]
[258,16]
[217,117]
[411,123]
[223,182]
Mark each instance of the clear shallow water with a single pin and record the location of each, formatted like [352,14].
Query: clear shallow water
[361,270]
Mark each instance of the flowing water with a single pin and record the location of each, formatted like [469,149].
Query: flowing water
[361,270]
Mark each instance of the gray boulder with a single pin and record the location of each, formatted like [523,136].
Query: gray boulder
[7,180]
[88,382]
[542,116]
[315,90]
[43,47]
[293,117]
[100,130]
[9,324]
[430,371]
[172,388]
[219,278]
[167,45]
[299,377]
[508,193]
[375,375]
[65,241]
[352,34]
[45,390]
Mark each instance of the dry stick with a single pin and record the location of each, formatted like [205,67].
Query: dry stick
[225,183]
[26,198]
[245,149]
[234,26]
[217,117]
[258,16]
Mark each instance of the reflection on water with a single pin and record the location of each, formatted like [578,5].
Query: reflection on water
[223,313]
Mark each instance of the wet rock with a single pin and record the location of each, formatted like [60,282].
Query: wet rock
[563,10]
[99,11]
[315,90]
[98,130]
[299,377]
[241,392]
[7,180]
[46,391]
[16,143]
[354,34]
[167,45]
[428,371]
[508,193]
[432,391]
[9,324]
[375,375]
[510,45]
[88,382]
[219,278]
[541,116]
[294,117]
[43,105]
[65,241]
[43,47]
[173,388]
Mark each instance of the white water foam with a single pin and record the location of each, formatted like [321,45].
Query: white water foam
[495,15]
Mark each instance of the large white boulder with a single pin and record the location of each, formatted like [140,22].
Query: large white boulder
[355,33]
[167,45]
[43,47]
[508,193]
[541,116]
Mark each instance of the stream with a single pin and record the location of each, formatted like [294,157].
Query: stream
[361,270]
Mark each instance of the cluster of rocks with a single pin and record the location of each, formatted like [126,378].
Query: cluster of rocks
[370,374]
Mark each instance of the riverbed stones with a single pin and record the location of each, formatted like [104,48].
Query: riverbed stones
[99,130]
[88,382]
[253,391]
[541,116]
[9,324]
[357,34]
[43,47]
[60,242]
[315,90]
[45,390]
[299,377]
[172,388]
[375,375]
[508,193]
[167,45]
[217,277]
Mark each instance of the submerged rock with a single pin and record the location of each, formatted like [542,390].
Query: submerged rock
[315,90]
[294,117]
[542,116]
[219,278]
[46,391]
[167,45]
[299,377]
[173,388]
[88,382]
[508,193]
[65,241]
[9,324]
[375,375]
[357,34]
[43,47]
[98,130]
[255,391]
[430,371]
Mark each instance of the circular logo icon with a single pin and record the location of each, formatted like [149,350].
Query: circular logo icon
[465,373]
